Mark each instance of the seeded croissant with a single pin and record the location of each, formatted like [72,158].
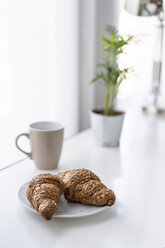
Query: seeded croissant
[83,186]
[44,193]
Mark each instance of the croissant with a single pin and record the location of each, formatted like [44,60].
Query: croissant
[83,186]
[44,193]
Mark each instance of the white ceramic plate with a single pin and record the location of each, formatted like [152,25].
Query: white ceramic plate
[64,209]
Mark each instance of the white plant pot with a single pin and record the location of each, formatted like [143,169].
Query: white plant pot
[107,129]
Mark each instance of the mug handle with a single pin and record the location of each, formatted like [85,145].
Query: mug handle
[29,154]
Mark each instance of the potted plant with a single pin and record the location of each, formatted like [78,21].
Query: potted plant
[107,122]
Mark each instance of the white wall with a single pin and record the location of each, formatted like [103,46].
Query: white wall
[94,15]
[38,67]
[107,13]
[48,55]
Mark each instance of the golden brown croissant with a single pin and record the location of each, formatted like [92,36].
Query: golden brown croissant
[44,193]
[85,187]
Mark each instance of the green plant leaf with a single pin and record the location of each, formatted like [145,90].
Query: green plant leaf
[113,45]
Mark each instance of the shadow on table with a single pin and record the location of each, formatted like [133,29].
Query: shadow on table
[106,163]
[45,233]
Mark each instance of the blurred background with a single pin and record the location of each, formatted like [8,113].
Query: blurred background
[49,51]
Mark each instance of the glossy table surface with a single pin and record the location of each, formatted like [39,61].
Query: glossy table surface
[136,173]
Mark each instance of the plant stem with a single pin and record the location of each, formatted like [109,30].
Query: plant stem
[112,98]
[109,100]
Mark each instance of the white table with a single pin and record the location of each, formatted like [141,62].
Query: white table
[135,171]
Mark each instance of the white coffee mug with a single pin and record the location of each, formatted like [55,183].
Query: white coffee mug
[46,139]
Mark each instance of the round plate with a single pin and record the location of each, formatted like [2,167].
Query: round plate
[65,209]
